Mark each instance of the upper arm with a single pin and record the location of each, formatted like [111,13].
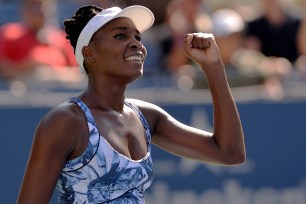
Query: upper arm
[178,138]
[55,139]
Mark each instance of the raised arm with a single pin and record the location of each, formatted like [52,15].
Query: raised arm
[54,142]
[226,144]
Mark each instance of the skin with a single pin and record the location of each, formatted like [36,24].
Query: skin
[63,133]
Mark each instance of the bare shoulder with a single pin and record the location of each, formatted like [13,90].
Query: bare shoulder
[146,107]
[63,124]
[65,114]
[141,103]
[153,113]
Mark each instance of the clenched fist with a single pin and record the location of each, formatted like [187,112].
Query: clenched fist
[202,48]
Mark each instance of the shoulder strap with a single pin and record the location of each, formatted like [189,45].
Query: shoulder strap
[142,119]
[94,138]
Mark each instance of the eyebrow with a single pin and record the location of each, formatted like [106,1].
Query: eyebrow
[123,28]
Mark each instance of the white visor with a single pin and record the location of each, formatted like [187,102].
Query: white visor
[142,17]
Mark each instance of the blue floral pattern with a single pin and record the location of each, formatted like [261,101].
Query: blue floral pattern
[101,174]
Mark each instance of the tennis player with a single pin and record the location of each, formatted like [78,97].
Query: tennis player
[96,147]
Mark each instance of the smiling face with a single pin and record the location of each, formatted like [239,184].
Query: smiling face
[116,51]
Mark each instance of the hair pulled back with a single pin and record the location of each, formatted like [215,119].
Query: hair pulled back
[76,23]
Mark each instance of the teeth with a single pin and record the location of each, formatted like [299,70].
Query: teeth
[134,58]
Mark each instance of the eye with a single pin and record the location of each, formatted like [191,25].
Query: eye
[138,37]
[120,36]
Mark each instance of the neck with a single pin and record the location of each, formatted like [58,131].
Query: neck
[104,96]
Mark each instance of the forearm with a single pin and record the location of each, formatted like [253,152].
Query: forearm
[227,143]
[228,133]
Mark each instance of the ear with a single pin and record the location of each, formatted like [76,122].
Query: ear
[88,54]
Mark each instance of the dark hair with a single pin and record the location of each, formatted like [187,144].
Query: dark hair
[76,23]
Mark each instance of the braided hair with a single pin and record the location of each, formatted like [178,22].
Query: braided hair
[76,23]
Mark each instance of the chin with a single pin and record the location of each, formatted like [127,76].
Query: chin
[138,76]
[134,77]
[138,72]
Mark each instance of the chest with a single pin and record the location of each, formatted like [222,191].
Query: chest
[125,133]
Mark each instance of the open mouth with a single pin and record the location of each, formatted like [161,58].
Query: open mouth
[137,58]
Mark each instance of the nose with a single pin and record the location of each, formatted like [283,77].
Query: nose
[136,44]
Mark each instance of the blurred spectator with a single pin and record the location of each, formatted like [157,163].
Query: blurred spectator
[275,32]
[302,33]
[34,42]
[297,80]
[180,18]
[241,65]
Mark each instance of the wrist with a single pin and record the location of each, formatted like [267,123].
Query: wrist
[213,67]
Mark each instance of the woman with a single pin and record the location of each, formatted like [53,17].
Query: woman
[95,148]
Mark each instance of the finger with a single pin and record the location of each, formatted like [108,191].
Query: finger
[199,41]
[188,40]
[195,42]
[207,39]
[206,43]
[202,40]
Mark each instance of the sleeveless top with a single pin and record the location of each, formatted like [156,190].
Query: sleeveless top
[101,174]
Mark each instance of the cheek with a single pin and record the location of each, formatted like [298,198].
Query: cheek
[107,55]
[144,51]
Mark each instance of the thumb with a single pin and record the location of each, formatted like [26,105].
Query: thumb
[188,42]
